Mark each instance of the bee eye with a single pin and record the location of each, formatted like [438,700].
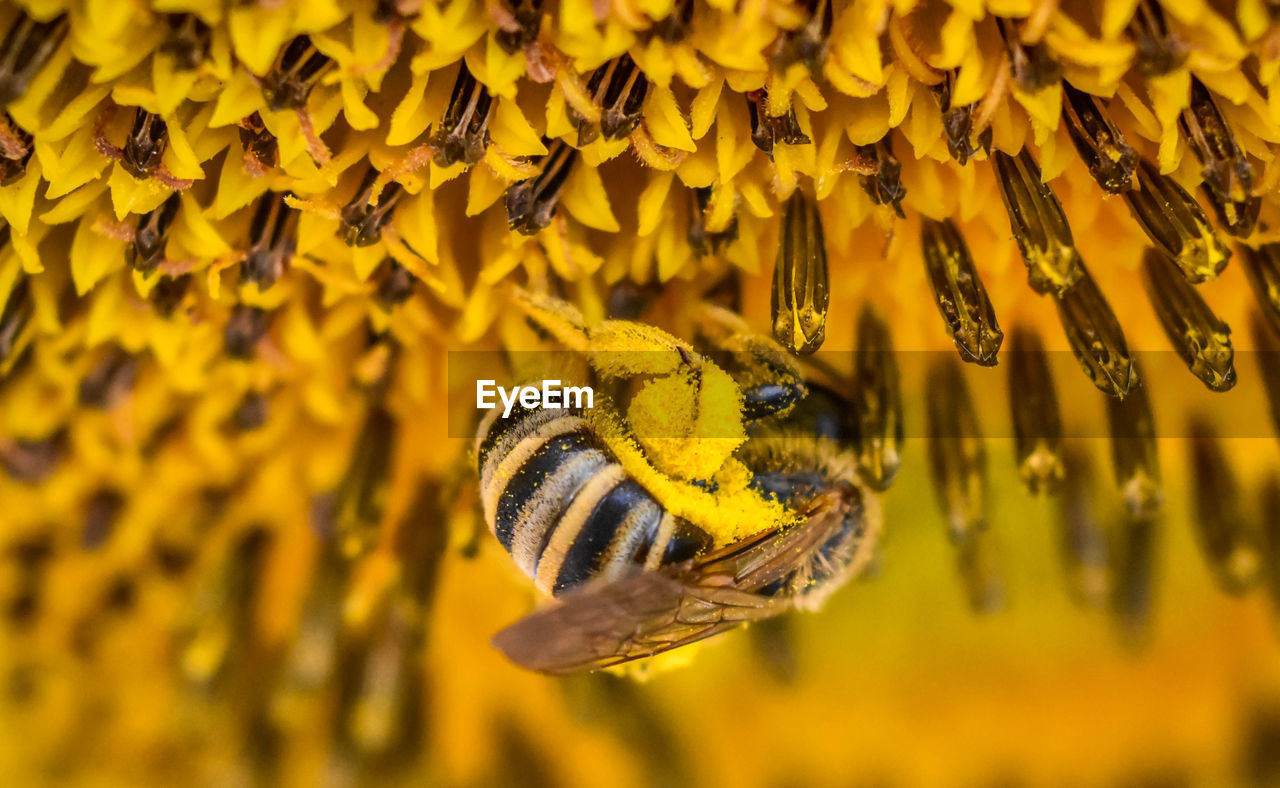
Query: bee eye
[1228,176]
[959,293]
[1037,420]
[296,72]
[145,145]
[26,47]
[1174,221]
[1096,338]
[1133,451]
[1201,339]
[273,236]
[245,327]
[152,233]
[1038,224]
[878,403]
[884,186]
[1262,269]
[800,279]
[768,130]
[1230,545]
[362,222]
[464,131]
[17,313]
[957,455]
[1101,145]
[532,202]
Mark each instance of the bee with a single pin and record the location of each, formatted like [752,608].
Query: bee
[636,557]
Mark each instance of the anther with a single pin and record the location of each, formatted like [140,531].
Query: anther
[295,73]
[675,26]
[101,513]
[1085,552]
[1134,456]
[273,236]
[245,328]
[1033,66]
[1037,419]
[360,497]
[521,25]
[877,403]
[1096,338]
[885,185]
[188,41]
[532,202]
[1262,269]
[15,317]
[396,285]
[767,130]
[959,293]
[808,44]
[169,292]
[1231,547]
[258,143]
[109,380]
[15,150]
[618,88]
[957,121]
[1159,51]
[1174,221]
[1038,224]
[701,240]
[26,48]
[1227,174]
[1201,339]
[800,278]
[1100,144]
[464,131]
[145,145]
[957,457]
[151,235]
[362,222]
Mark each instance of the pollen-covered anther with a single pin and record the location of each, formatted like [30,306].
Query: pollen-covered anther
[1200,338]
[958,292]
[1101,145]
[1036,416]
[957,455]
[26,48]
[464,131]
[1262,269]
[1038,224]
[800,278]
[362,220]
[532,202]
[151,235]
[295,73]
[273,236]
[1176,223]
[618,89]
[768,130]
[1096,338]
[1228,537]
[877,404]
[884,183]
[1227,173]
[1134,455]
[188,41]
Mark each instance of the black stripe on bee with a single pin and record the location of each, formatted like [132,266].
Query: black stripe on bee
[539,469]
[625,510]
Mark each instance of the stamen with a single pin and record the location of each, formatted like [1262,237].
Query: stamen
[101,513]
[145,144]
[957,122]
[15,150]
[1228,176]
[532,202]
[959,293]
[1231,546]
[17,313]
[109,380]
[1096,338]
[273,236]
[1133,558]
[1133,452]
[188,41]
[1100,144]
[149,239]
[521,27]
[1174,221]
[245,328]
[1033,66]
[168,293]
[396,285]
[1085,553]
[1037,420]
[464,131]
[701,241]
[1038,224]
[296,72]
[251,413]
[261,150]
[808,44]
[957,457]
[885,186]
[26,48]
[32,461]
[1262,269]
[767,131]
[1159,51]
[362,222]
[984,583]
[877,402]
[799,298]
[360,497]
[1201,339]
[675,26]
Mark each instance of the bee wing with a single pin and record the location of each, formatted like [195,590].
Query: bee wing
[643,614]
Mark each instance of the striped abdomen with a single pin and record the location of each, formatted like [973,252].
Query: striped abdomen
[563,506]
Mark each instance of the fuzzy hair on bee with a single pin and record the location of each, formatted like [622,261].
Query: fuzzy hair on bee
[636,559]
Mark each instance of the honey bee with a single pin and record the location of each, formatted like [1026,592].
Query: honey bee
[638,559]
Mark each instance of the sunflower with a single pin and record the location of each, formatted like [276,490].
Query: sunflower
[249,249]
